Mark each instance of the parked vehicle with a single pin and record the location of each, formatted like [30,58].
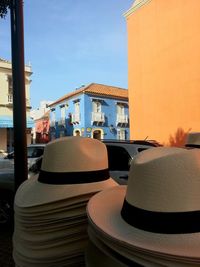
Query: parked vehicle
[3,153]
[34,151]
[121,153]
[34,156]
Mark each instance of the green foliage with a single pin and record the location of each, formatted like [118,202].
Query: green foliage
[4,5]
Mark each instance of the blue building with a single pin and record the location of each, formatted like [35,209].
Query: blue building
[96,110]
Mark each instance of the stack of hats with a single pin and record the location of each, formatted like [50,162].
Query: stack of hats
[155,219]
[193,140]
[50,209]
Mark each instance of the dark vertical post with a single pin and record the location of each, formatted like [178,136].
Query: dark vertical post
[19,95]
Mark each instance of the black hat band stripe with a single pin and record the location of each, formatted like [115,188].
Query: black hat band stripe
[73,177]
[193,145]
[161,222]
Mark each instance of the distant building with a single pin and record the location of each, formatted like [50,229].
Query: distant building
[40,130]
[6,105]
[164,69]
[96,111]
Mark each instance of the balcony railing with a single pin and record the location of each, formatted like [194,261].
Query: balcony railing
[98,117]
[75,118]
[122,119]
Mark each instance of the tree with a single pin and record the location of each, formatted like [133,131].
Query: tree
[179,138]
[4,5]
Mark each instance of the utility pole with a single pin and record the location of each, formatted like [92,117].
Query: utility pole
[19,94]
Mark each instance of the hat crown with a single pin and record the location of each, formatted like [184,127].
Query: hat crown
[165,180]
[193,139]
[74,154]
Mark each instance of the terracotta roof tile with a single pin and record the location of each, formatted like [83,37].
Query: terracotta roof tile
[96,89]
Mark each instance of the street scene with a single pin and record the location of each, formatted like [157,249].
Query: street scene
[99,133]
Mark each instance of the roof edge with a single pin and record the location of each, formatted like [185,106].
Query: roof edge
[84,89]
[136,5]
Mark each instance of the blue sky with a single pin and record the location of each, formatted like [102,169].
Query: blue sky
[70,43]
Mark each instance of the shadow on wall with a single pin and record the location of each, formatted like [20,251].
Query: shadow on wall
[179,138]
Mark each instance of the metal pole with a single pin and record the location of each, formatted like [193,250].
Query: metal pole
[19,97]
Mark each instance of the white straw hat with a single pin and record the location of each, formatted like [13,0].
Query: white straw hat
[159,211]
[193,140]
[96,257]
[67,162]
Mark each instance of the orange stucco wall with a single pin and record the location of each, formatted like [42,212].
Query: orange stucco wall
[164,69]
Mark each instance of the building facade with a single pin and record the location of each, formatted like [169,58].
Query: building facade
[163,69]
[96,110]
[6,105]
[40,129]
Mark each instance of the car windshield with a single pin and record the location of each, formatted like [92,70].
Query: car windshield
[34,152]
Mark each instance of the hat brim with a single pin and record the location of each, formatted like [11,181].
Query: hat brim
[49,237]
[66,247]
[104,213]
[32,192]
[41,210]
[96,257]
[135,255]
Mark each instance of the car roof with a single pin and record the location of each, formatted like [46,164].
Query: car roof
[152,143]
[36,145]
[133,147]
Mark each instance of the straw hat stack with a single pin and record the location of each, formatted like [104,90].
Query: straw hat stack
[155,219]
[50,208]
[193,140]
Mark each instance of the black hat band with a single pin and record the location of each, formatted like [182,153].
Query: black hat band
[73,177]
[161,222]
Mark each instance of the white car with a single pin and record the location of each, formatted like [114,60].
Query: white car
[34,151]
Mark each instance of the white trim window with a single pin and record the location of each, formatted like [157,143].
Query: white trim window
[97,115]
[120,109]
[62,115]
[96,106]
[121,117]
[10,89]
[121,134]
[77,107]
[53,118]
[10,84]
[62,112]
[53,115]
[76,116]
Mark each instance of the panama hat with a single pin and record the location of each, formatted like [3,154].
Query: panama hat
[50,208]
[159,210]
[100,254]
[193,140]
[94,256]
[129,256]
[67,162]
[54,206]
